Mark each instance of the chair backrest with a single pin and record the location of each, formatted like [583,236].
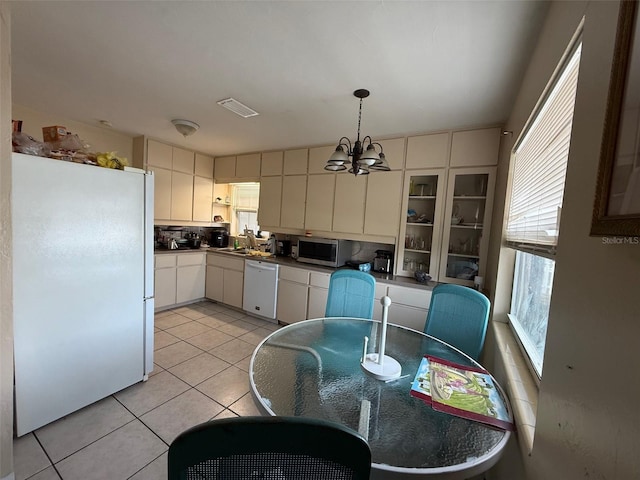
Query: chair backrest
[275,448]
[351,294]
[458,315]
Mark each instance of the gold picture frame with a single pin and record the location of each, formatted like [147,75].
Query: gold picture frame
[617,203]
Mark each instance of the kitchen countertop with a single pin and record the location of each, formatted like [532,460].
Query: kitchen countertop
[291,262]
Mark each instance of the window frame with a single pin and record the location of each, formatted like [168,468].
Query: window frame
[540,250]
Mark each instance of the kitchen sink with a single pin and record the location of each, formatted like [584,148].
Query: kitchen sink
[232,250]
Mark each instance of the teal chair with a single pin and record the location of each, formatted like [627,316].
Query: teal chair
[351,294]
[269,448]
[458,316]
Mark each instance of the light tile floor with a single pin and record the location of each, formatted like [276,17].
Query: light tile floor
[202,355]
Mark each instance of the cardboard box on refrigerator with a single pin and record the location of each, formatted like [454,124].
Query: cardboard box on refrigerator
[54,133]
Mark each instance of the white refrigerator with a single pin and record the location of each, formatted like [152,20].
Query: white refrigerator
[82,285]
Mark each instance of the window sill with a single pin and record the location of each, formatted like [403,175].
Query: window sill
[521,387]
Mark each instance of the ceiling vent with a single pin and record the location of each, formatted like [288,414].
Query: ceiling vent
[237,107]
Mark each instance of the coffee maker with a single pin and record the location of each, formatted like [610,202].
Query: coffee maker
[383,261]
[283,248]
[219,237]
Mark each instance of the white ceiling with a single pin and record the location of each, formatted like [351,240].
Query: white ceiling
[430,65]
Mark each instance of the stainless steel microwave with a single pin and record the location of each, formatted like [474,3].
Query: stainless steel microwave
[327,252]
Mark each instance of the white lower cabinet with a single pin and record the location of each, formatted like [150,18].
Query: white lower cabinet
[225,279]
[165,281]
[409,306]
[215,283]
[293,284]
[190,277]
[318,294]
[179,278]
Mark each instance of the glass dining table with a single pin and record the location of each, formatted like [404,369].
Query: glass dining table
[312,369]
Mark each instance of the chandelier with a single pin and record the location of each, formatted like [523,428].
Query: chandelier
[362,160]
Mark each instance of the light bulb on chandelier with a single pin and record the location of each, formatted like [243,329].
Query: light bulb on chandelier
[361,160]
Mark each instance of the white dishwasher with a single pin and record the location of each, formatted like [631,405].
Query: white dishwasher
[260,289]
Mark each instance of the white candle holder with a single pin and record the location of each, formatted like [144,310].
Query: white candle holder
[379,365]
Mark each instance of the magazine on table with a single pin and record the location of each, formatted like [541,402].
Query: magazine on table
[467,392]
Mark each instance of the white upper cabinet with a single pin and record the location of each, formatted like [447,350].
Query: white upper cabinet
[475,148]
[225,167]
[183,160]
[382,210]
[202,199]
[248,166]
[270,200]
[394,152]
[271,164]
[162,194]
[318,157]
[320,198]
[159,155]
[428,151]
[348,208]
[295,161]
[294,192]
[204,166]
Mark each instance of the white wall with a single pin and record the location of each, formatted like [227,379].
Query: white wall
[588,423]
[100,139]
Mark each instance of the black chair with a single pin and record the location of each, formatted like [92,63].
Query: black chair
[269,448]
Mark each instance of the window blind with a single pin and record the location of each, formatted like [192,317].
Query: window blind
[246,196]
[540,165]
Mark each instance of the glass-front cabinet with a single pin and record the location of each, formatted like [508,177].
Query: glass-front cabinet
[421,227]
[467,221]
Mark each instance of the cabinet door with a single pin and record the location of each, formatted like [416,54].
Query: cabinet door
[271,164]
[467,223]
[421,221]
[159,154]
[162,194]
[382,211]
[202,199]
[224,167]
[394,152]
[190,283]
[270,199]
[215,283]
[295,162]
[473,148]
[407,316]
[317,304]
[348,213]
[181,196]
[428,151]
[294,192]
[248,166]
[165,287]
[183,160]
[319,208]
[291,306]
[204,166]
[233,286]
[318,157]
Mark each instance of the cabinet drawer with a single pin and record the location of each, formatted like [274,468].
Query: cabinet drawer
[317,279]
[190,259]
[413,297]
[165,261]
[226,262]
[298,275]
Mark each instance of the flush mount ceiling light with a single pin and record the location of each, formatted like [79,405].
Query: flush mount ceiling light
[361,160]
[185,127]
[237,107]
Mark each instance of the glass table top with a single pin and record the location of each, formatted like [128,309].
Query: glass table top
[312,369]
